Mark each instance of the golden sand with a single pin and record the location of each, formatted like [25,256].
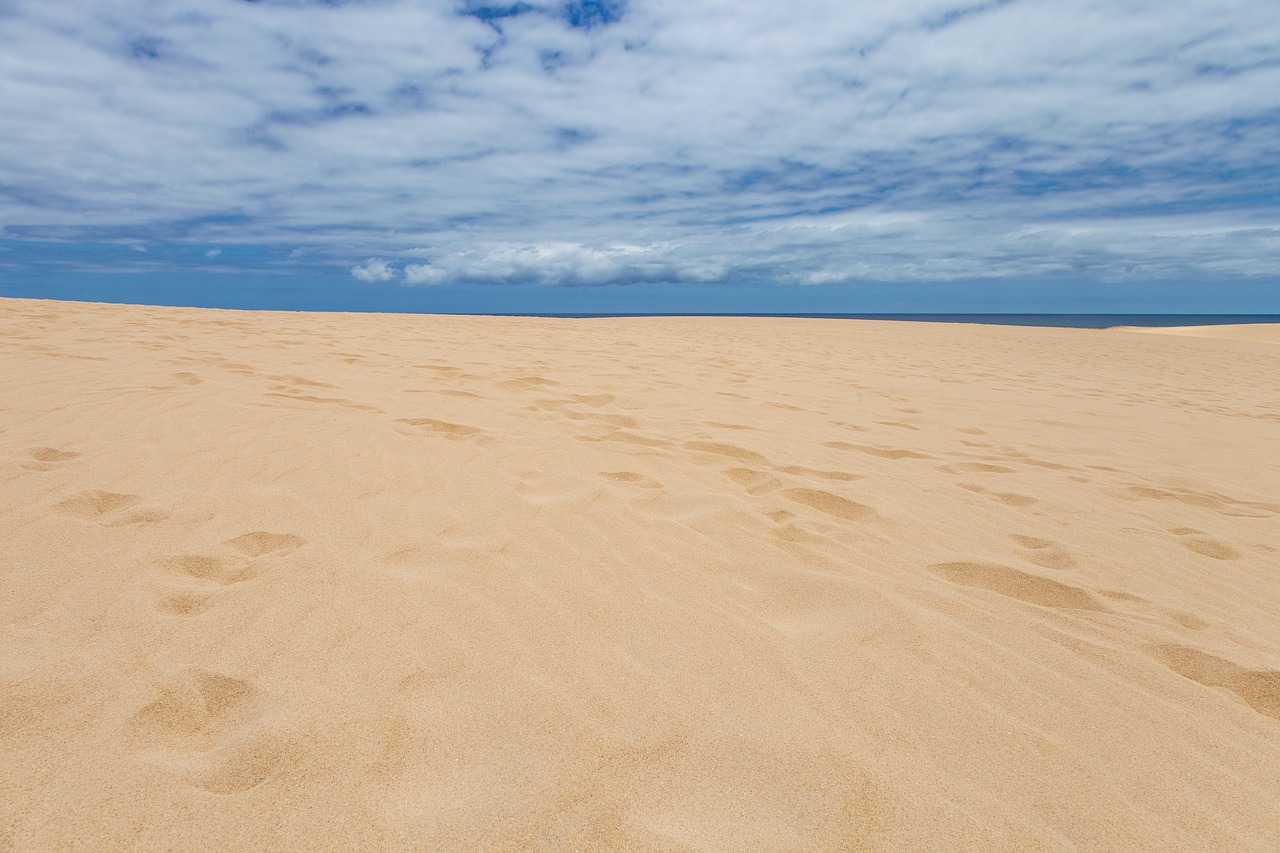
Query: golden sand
[1268,332]
[328,581]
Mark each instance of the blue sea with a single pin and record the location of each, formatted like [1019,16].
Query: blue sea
[1072,321]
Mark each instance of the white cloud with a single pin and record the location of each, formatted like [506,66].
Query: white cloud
[213,253]
[424,274]
[812,141]
[563,264]
[373,270]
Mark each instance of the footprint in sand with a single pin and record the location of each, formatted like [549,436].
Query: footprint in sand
[613,420]
[1006,498]
[259,543]
[1221,504]
[1014,499]
[625,437]
[245,762]
[976,468]
[94,504]
[141,515]
[1188,621]
[184,603]
[851,426]
[51,454]
[1045,552]
[441,428]
[801,471]
[205,568]
[208,729]
[595,401]
[1182,620]
[899,425]
[288,393]
[724,450]
[106,508]
[562,408]
[1013,583]
[1212,548]
[755,482]
[1257,688]
[1118,595]
[631,477]
[193,707]
[831,504]
[894,453]
[300,381]
[1206,546]
[526,383]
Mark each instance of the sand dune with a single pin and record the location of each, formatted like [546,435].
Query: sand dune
[275,581]
[1268,332]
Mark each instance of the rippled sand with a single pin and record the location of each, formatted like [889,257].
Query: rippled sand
[326,581]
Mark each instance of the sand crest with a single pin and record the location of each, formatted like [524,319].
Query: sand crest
[333,581]
[1266,332]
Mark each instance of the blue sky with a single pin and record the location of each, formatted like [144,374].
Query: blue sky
[812,155]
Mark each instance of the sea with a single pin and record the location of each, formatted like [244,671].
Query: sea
[1070,321]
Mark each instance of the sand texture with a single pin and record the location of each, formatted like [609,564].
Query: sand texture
[278,581]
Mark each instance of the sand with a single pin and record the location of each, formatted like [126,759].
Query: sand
[278,581]
[1267,332]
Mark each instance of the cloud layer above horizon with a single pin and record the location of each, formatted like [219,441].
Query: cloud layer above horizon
[625,141]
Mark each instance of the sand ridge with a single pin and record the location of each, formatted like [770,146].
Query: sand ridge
[337,581]
[1264,332]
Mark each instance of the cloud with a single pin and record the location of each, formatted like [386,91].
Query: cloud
[596,141]
[373,270]
[424,274]
[213,253]
[563,264]
[817,252]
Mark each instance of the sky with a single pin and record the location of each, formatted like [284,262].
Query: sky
[644,155]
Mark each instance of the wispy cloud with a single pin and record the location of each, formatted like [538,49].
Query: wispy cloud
[597,141]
